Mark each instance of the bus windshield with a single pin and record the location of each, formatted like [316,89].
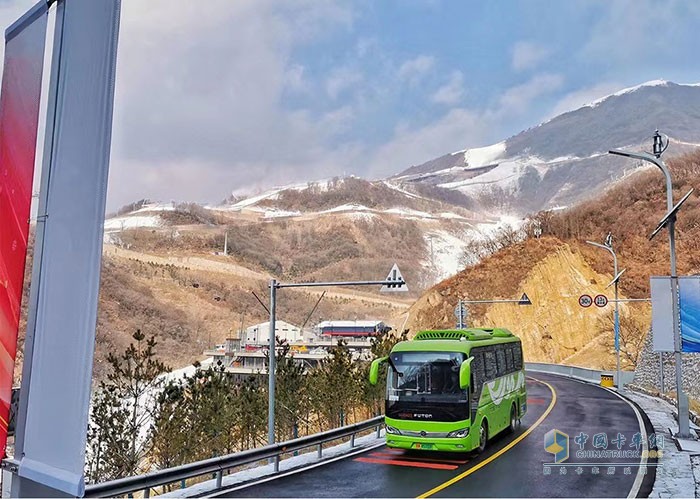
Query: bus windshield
[427,382]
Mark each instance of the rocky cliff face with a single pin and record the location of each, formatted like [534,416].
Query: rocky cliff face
[554,328]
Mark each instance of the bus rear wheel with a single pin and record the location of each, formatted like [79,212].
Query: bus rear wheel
[483,436]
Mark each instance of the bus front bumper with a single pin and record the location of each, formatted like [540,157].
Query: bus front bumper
[430,436]
[432,444]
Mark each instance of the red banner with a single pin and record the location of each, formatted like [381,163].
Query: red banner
[19,115]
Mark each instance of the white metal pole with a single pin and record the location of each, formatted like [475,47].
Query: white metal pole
[271,366]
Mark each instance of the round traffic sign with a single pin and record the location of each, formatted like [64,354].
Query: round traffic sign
[585,301]
[600,300]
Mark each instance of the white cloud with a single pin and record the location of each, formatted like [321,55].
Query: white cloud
[452,91]
[631,32]
[413,69]
[294,78]
[527,55]
[517,99]
[581,97]
[199,115]
[455,129]
[342,80]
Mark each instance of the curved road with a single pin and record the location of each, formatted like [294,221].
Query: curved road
[513,466]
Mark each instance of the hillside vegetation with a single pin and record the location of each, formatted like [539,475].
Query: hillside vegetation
[557,266]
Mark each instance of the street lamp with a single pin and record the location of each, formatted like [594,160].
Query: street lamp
[608,246]
[660,145]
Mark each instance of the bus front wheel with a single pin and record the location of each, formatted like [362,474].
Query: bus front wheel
[483,436]
[513,419]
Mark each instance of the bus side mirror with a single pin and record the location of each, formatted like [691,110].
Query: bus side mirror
[465,373]
[374,370]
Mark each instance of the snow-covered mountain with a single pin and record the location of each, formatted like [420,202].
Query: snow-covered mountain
[565,160]
[439,207]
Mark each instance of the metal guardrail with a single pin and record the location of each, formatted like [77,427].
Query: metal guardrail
[582,373]
[217,465]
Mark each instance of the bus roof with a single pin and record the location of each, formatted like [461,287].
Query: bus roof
[455,340]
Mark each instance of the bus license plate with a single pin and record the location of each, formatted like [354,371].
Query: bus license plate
[424,446]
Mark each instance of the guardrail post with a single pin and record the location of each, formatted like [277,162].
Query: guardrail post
[320,451]
[277,463]
[146,492]
[379,431]
[219,478]
[352,440]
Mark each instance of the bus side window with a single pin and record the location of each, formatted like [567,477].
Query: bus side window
[501,360]
[509,359]
[490,364]
[478,373]
[518,356]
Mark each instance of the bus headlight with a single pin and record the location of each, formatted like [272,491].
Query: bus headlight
[458,433]
[392,430]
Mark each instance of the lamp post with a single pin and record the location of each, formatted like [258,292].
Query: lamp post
[655,159]
[608,246]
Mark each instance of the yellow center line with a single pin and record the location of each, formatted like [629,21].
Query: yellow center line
[500,452]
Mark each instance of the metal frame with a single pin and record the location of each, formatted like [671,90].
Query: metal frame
[218,465]
[272,346]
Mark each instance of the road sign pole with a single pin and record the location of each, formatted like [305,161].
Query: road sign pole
[617,321]
[608,246]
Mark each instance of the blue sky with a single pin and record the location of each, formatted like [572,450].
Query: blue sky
[216,96]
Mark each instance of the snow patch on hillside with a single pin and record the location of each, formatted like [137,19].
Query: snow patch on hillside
[347,207]
[131,222]
[505,175]
[444,253]
[274,213]
[652,83]
[482,156]
[408,212]
[489,229]
[156,207]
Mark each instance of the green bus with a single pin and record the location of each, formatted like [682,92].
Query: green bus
[452,390]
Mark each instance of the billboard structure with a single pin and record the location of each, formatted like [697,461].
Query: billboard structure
[662,315]
[19,122]
[689,302]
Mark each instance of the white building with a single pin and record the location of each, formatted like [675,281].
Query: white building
[259,334]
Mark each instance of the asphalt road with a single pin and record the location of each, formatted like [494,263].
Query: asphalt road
[514,465]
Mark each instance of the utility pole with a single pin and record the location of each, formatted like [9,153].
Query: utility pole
[659,148]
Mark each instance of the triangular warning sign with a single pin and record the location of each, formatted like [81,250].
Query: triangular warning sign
[394,276]
[524,300]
